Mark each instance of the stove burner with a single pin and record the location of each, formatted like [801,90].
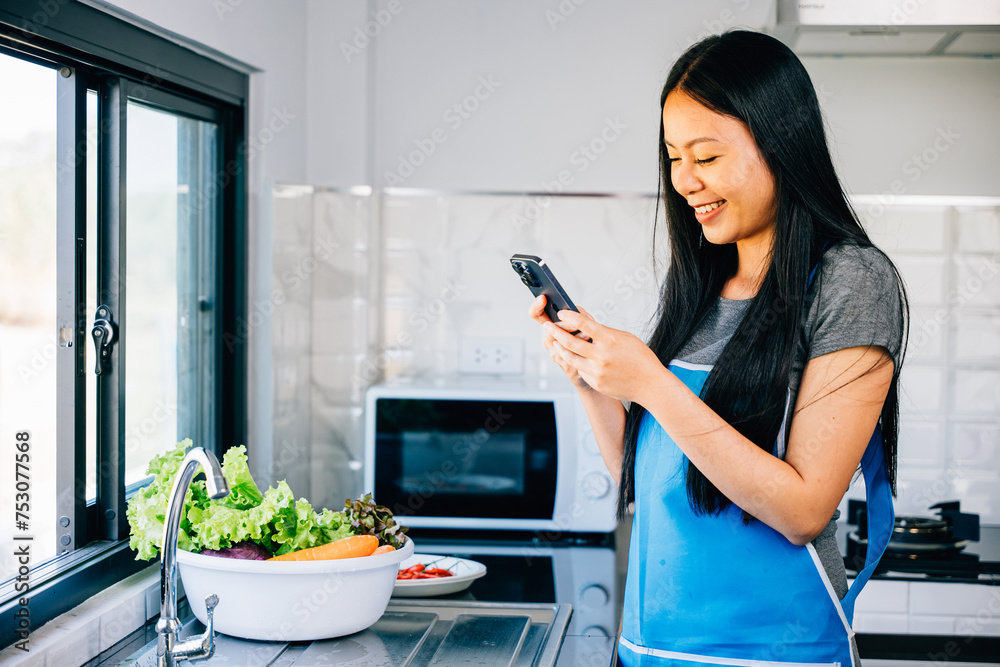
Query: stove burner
[920,527]
[927,545]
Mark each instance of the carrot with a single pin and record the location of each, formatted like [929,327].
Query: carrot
[354,546]
[384,549]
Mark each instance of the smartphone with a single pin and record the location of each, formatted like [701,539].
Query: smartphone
[536,274]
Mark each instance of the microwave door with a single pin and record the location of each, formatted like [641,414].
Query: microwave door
[450,463]
[455,467]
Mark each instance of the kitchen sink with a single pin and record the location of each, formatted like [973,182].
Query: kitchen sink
[415,633]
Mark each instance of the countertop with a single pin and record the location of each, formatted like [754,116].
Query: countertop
[571,576]
[411,632]
[589,643]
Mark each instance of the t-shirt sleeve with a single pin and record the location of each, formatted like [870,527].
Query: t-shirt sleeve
[855,302]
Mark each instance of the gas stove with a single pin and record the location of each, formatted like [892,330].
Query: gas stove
[935,594]
[944,547]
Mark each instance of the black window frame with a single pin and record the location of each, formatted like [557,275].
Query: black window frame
[97,51]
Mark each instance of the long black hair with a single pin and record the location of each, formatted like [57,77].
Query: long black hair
[757,80]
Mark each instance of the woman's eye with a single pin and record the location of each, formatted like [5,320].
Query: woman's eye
[706,160]
[671,160]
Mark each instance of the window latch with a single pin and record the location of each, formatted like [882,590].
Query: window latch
[105,333]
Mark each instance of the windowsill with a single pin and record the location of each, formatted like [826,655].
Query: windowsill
[94,626]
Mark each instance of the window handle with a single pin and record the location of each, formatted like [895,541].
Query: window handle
[104,333]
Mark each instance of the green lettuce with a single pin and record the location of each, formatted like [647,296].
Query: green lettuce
[304,528]
[243,491]
[273,519]
[148,507]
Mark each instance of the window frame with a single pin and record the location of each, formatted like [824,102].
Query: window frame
[114,57]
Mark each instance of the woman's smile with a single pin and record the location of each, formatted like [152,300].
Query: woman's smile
[716,166]
[705,212]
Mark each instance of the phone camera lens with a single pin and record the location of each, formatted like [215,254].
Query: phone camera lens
[527,277]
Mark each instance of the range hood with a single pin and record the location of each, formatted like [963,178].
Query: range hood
[889,27]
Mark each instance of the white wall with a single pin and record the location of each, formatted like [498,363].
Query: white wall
[561,77]
[917,126]
[337,150]
[562,70]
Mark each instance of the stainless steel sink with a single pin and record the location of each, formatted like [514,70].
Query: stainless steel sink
[435,633]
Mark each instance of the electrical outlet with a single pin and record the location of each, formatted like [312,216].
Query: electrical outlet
[503,356]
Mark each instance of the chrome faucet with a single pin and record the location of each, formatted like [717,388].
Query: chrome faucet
[168,650]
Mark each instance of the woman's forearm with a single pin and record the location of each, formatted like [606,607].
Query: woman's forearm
[607,419]
[840,399]
[734,464]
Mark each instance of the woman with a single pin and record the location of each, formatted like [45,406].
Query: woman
[770,377]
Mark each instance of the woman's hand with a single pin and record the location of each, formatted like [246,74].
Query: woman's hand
[606,414]
[537,313]
[611,361]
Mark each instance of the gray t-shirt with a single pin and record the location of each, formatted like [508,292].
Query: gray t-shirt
[853,301]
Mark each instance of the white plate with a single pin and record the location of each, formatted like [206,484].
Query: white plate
[465,572]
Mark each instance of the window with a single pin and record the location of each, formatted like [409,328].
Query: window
[27,296]
[122,262]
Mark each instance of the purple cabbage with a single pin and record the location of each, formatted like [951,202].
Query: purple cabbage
[245,550]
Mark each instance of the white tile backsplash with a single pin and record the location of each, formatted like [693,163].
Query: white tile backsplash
[907,229]
[917,489]
[976,281]
[978,230]
[881,623]
[489,221]
[401,277]
[928,608]
[79,635]
[975,445]
[977,488]
[339,326]
[928,333]
[922,443]
[338,449]
[923,389]
[952,599]
[884,596]
[977,337]
[925,278]
[933,624]
[977,392]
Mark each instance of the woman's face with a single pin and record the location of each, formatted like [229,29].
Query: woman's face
[716,167]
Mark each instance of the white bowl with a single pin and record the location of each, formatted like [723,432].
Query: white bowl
[291,601]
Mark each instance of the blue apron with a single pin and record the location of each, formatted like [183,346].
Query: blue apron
[707,589]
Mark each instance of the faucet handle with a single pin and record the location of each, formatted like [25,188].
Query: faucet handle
[203,646]
[208,639]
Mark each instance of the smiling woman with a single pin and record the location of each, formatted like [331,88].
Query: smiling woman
[769,379]
[724,179]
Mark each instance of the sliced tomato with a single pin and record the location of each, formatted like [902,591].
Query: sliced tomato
[419,571]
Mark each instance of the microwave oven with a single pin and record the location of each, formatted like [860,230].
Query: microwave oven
[484,455]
